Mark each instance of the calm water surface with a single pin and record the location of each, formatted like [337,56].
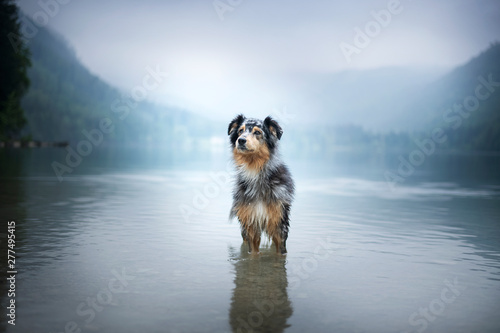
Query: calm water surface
[143,244]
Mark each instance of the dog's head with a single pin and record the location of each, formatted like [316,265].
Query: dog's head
[253,140]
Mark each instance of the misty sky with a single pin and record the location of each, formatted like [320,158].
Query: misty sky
[253,60]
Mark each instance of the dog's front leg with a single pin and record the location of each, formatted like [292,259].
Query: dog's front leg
[252,236]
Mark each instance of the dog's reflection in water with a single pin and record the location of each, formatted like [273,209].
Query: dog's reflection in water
[260,300]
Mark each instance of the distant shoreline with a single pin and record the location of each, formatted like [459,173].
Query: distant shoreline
[32,144]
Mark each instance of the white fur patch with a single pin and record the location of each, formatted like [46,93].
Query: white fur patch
[259,215]
[249,174]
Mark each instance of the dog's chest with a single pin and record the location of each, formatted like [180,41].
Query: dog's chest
[259,193]
[258,214]
[262,215]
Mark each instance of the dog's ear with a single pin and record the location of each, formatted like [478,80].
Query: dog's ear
[235,123]
[273,127]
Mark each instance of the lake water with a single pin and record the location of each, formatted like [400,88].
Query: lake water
[140,241]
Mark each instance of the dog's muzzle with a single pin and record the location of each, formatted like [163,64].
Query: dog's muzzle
[242,144]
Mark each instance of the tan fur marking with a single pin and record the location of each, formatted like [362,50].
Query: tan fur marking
[233,128]
[273,130]
[255,244]
[277,243]
[246,214]
[254,159]
[274,213]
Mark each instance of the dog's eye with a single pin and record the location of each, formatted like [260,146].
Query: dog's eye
[258,133]
[240,131]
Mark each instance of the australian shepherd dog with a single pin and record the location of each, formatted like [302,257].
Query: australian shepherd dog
[264,188]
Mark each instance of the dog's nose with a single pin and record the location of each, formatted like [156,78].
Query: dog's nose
[242,141]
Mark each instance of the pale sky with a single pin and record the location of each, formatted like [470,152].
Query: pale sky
[253,59]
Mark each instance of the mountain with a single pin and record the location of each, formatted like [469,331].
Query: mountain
[65,101]
[372,98]
[466,103]
[396,105]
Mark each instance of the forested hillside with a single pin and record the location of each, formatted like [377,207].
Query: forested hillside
[65,99]
[431,107]
[469,103]
[14,62]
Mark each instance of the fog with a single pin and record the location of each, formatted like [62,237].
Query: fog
[323,62]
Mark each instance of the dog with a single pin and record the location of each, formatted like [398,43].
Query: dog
[264,188]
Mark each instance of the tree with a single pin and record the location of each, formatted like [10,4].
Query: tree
[14,63]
